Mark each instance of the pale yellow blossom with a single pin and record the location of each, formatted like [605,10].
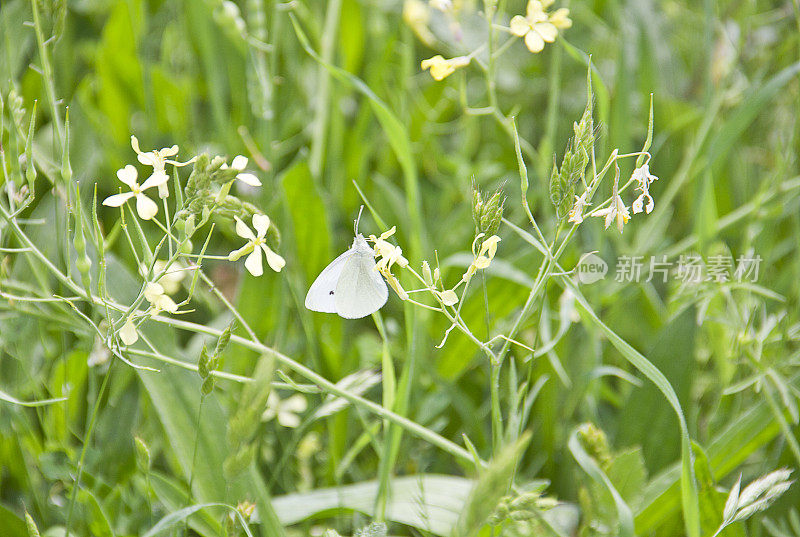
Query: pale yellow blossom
[440,68]
[643,177]
[255,246]
[537,26]
[159,300]
[128,333]
[158,159]
[146,207]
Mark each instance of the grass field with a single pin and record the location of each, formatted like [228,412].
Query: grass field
[586,215]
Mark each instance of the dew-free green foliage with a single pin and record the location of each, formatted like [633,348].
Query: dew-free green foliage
[504,396]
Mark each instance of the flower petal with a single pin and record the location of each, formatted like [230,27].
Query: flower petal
[253,263]
[261,224]
[296,403]
[135,144]
[274,261]
[146,207]
[249,178]
[239,162]
[158,178]
[242,230]
[128,175]
[168,151]
[519,25]
[148,159]
[128,333]
[535,11]
[152,291]
[117,199]
[167,304]
[287,419]
[534,42]
[546,30]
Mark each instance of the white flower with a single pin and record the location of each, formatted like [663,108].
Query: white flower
[286,411]
[617,210]
[158,160]
[643,176]
[128,333]
[388,253]
[154,293]
[483,258]
[171,280]
[535,26]
[239,164]
[256,244]
[146,207]
[576,213]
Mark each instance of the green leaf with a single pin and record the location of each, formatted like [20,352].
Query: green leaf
[309,219]
[624,514]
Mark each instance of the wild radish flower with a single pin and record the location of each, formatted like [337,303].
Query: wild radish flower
[256,243]
[537,27]
[643,176]
[158,160]
[146,207]
[128,333]
[239,164]
[448,297]
[617,210]
[576,213]
[441,68]
[159,300]
[484,257]
[286,411]
[172,278]
[388,253]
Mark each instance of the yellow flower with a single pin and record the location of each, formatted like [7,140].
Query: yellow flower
[159,300]
[255,245]
[617,210]
[484,257]
[441,68]
[146,207]
[388,253]
[158,160]
[239,164]
[537,26]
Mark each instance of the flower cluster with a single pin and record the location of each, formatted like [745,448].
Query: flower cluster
[206,193]
[617,211]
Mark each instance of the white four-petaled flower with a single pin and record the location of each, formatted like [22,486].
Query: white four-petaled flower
[159,300]
[158,159]
[534,26]
[146,207]
[255,245]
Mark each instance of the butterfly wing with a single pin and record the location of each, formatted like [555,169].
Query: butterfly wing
[360,290]
[321,295]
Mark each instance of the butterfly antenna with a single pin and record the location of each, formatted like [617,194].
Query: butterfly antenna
[355,229]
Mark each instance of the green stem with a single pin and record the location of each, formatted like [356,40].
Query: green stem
[86,440]
[48,73]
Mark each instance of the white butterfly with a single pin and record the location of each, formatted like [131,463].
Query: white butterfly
[350,286]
